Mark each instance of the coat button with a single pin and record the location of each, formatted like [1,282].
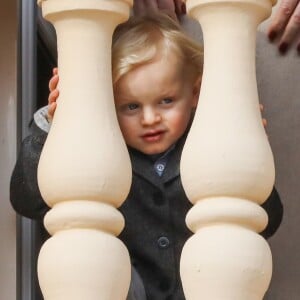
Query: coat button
[163,242]
[160,167]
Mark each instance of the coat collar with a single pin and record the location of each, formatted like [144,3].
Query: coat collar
[143,165]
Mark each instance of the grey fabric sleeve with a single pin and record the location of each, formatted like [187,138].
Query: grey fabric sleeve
[41,120]
[25,195]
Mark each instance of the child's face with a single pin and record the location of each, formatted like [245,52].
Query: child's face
[154,103]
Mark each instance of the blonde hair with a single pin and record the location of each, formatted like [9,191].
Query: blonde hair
[137,41]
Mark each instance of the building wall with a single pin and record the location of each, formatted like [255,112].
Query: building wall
[279,91]
[8,133]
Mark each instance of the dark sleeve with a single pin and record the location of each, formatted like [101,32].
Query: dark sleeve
[274,209]
[25,195]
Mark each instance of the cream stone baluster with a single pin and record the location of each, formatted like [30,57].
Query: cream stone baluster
[84,171]
[227,165]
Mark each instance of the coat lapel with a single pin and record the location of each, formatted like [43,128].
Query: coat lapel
[143,165]
[173,166]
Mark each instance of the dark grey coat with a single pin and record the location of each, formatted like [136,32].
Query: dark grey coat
[154,211]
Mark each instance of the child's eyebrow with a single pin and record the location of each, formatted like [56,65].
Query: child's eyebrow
[124,101]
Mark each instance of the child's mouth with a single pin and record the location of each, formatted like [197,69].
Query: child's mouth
[153,136]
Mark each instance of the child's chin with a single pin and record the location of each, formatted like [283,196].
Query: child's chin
[153,151]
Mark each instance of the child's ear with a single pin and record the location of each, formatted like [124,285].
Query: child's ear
[196,90]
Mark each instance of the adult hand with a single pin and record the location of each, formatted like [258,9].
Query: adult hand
[285,26]
[53,95]
[264,121]
[173,8]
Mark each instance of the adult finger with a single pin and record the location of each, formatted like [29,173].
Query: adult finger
[167,7]
[55,71]
[53,82]
[180,8]
[281,18]
[261,107]
[53,96]
[143,7]
[291,31]
[51,111]
[265,122]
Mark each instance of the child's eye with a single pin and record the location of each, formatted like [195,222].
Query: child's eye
[132,106]
[128,108]
[166,101]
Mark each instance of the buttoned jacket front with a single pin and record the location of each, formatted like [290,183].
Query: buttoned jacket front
[155,229]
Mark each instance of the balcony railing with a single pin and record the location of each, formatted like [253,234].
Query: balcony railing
[221,160]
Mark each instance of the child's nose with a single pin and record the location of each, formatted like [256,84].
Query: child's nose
[150,116]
